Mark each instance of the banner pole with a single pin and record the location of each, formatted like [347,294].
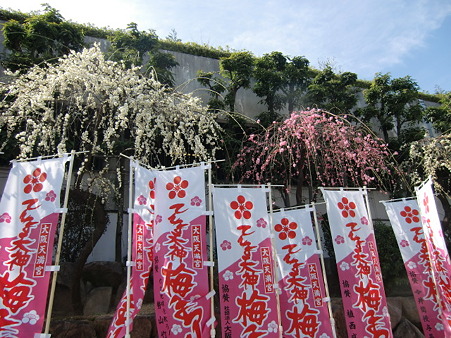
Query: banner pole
[211,258]
[275,263]
[323,268]
[59,245]
[129,246]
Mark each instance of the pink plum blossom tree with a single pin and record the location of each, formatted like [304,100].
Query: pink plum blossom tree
[315,148]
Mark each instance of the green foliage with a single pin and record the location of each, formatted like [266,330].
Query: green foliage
[238,69]
[38,39]
[390,258]
[441,116]
[216,87]
[393,103]
[195,49]
[280,80]
[333,92]
[131,45]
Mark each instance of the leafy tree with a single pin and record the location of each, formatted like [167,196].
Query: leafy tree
[216,86]
[333,92]
[280,80]
[441,116]
[86,103]
[132,45]
[238,69]
[39,39]
[393,103]
[315,148]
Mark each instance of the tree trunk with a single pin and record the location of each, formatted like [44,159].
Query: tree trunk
[100,225]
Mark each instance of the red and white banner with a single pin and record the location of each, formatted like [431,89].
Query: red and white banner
[405,219]
[439,257]
[303,306]
[29,213]
[182,297]
[245,263]
[362,289]
[143,223]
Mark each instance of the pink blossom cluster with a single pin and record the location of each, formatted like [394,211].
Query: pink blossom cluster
[317,148]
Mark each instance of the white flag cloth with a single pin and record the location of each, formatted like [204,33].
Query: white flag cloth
[29,214]
[358,266]
[440,261]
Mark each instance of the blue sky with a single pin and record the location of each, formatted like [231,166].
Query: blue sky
[401,37]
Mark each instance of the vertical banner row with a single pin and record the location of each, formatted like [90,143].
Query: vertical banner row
[143,222]
[29,213]
[404,216]
[248,302]
[359,272]
[182,304]
[438,253]
[303,306]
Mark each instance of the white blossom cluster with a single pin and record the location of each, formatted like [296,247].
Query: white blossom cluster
[430,157]
[87,103]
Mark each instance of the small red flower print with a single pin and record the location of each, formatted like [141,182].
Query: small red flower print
[426,203]
[411,215]
[226,245]
[307,241]
[404,243]
[50,196]
[261,223]
[158,219]
[177,188]
[5,217]
[286,229]
[364,220]
[242,207]
[152,188]
[34,181]
[141,200]
[196,201]
[347,207]
[339,239]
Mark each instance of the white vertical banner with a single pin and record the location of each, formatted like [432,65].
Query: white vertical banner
[303,302]
[248,301]
[359,272]
[438,253]
[181,286]
[142,243]
[405,219]
[29,214]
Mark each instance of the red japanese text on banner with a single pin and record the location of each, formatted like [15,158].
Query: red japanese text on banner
[245,263]
[143,222]
[438,253]
[405,219]
[182,304]
[302,301]
[359,272]
[28,218]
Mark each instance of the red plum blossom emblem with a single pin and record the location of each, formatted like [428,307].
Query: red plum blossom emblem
[177,188]
[34,181]
[411,215]
[152,188]
[242,207]
[346,207]
[286,229]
